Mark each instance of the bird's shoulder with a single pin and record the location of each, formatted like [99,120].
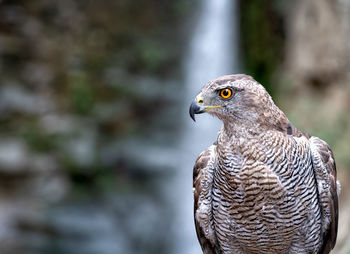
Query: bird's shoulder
[204,161]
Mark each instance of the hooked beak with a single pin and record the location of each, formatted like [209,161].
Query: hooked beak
[197,106]
[196,109]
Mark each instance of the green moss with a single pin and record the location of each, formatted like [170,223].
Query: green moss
[151,56]
[37,140]
[105,180]
[182,7]
[81,94]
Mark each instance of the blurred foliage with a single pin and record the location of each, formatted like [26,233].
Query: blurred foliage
[83,86]
[37,140]
[83,57]
[80,94]
[262,39]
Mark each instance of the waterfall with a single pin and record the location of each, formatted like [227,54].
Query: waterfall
[212,52]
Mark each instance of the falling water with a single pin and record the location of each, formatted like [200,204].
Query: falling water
[212,52]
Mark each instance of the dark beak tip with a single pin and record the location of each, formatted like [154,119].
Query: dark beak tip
[195,109]
[192,111]
[193,118]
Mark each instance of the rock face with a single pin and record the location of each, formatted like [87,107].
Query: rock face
[318,42]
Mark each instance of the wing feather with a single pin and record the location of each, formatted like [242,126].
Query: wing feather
[328,187]
[202,185]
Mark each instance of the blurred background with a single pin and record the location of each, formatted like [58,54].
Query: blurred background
[96,145]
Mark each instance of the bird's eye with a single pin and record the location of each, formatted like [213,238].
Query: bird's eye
[226,93]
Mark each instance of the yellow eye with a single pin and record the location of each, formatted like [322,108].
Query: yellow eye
[226,93]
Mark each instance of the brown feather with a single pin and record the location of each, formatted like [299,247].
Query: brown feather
[330,234]
[198,176]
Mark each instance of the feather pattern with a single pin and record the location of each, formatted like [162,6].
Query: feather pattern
[265,188]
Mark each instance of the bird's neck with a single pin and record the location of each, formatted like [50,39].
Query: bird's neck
[237,131]
[243,128]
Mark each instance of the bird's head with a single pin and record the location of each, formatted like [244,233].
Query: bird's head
[236,99]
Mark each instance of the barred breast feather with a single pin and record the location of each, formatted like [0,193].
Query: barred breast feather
[275,194]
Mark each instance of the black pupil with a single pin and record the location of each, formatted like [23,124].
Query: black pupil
[225,92]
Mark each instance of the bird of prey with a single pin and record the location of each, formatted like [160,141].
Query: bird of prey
[263,186]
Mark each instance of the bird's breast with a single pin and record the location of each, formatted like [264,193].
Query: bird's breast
[257,195]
